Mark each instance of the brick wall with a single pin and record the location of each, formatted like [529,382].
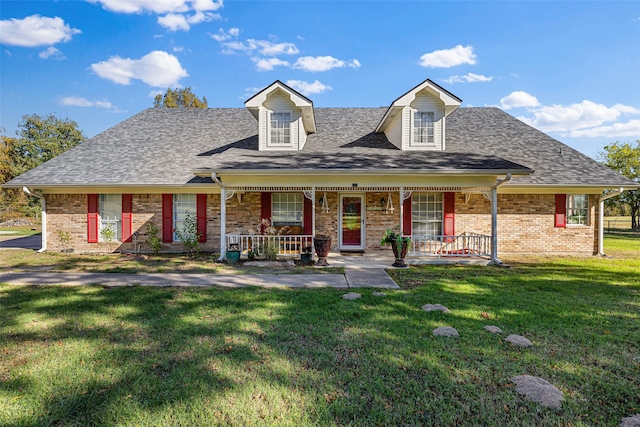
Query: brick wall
[525,222]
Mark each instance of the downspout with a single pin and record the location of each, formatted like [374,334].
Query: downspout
[494,219]
[223,216]
[604,197]
[43,217]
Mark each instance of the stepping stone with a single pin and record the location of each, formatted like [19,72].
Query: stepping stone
[536,389]
[379,294]
[632,421]
[351,296]
[435,307]
[518,340]
[446,331]
[493,329]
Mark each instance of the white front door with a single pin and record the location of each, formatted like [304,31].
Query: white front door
[351,232]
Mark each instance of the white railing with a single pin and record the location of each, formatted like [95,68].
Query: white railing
[464,245]
[282,245]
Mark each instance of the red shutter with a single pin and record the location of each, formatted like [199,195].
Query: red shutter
[449,214]
[127,220]
[167,217]
[265,207]
[201,215]
[406,217]
[307,216]
[561,210]
[92,218]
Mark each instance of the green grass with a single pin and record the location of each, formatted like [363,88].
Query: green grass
[83,356]
[19,231]
[26,260]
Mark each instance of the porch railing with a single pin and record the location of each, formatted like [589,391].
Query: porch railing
[464,245]
[284,245]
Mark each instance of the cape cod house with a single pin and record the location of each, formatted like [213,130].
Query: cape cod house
[459,181]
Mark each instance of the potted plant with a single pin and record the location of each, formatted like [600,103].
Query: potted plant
[399,245]
[306,257]
[322,245]
[233,253]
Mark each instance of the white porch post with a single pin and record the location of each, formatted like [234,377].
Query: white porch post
[401,209]
[612,193]
[223,223]
[494,225]
[313,211]
[43,206]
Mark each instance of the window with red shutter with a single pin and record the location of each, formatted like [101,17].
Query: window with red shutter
[449,226]
[201,216]
[167,218]
[92,218]
[561,211]
[127,217]
[406,217]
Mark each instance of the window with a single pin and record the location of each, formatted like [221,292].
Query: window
[423,128]
[280,123]
[182,204]
[426,214]
[110,209]
[286,209]
[577,209]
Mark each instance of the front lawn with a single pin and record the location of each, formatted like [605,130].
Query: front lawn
[170,357]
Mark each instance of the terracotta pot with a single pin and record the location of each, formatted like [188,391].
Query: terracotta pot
[400,255]
[322,245]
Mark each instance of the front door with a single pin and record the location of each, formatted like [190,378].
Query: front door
[351,222]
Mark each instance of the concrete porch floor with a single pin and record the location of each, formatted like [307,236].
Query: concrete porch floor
[384,259]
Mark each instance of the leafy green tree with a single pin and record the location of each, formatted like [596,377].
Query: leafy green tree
[39,138]
[625,158]
[179,98]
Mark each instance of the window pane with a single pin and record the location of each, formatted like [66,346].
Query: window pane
[286,209]
[280,124]
[111,214]
[426,213]
[182,203]
[577,209]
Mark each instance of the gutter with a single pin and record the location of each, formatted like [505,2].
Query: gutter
[43,207]
[601,200]
[494,219]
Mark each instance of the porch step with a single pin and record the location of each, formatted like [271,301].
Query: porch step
[369,278]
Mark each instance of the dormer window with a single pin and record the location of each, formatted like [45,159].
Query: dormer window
[423,128]
[280,128]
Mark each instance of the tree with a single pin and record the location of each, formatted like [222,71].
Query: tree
[179,98]
[625,158]
[40,138]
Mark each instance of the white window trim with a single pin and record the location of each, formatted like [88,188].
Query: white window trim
[116,221]
[441,221]
[174,220]
[413,129]
[270,142]
[587,221]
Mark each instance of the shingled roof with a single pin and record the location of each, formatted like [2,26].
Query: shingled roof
[163,147]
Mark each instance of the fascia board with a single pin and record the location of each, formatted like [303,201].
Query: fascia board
[279,172]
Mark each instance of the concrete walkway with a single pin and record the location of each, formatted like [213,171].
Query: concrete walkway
[353,278]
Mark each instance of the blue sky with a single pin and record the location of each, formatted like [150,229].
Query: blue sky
[570,69]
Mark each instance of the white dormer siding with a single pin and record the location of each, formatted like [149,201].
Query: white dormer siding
[424,103]
[276,104]
[394,131]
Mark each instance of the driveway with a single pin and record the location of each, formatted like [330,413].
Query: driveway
[21,242]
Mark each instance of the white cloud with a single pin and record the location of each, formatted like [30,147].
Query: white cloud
[178,48]
[576,117]
[616,130]
[447,58]
[307,88]
[157,69]
[469,78]
[176,21]
[222,36]
[518,99]
[51,52]
[176,17]
[78,101]
[323,63]
[261,47]
[35,30]
[268,64]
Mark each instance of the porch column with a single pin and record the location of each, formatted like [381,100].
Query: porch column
[313,211]
[494,225]
[401,209]
[223,223]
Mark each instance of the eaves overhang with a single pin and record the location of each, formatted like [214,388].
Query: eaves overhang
[391,172]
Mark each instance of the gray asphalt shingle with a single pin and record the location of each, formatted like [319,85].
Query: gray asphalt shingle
[163,147]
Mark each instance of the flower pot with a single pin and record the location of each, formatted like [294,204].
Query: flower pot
[399,252]
[306,258]
[232,257]
[322,245]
